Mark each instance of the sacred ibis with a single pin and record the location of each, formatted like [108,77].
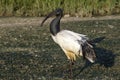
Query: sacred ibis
[73,44]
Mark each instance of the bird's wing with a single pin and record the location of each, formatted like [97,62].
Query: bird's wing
[76,34]
[69,40]
[76,43]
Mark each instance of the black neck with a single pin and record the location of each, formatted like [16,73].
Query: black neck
[55,25]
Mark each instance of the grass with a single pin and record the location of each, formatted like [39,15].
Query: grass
[81,8]
[28,52]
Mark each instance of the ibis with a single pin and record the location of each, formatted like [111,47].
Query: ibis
[73,44]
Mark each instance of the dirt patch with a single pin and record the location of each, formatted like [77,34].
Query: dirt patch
[30,21]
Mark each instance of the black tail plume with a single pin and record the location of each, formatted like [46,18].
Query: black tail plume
[96,40]
[88,52]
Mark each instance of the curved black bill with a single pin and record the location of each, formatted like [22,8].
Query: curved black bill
[56,12]
[49,15]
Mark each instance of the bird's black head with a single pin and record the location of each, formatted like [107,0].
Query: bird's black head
[57,12]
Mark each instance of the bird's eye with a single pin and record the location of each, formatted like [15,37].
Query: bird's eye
[58,13]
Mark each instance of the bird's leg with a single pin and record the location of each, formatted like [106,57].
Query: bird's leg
[71,72]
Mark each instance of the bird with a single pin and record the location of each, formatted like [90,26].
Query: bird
[73,44]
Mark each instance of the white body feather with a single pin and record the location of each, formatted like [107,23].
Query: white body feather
[69,40]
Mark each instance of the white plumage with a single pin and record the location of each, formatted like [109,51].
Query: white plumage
[70,42]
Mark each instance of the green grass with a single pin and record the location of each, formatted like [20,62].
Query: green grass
[28,52]
[80,8]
